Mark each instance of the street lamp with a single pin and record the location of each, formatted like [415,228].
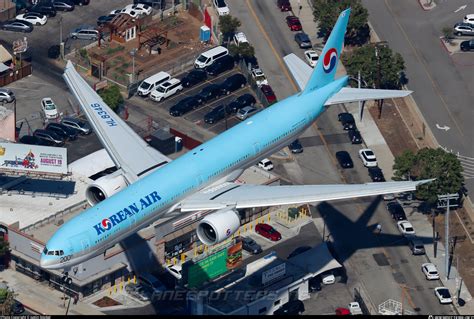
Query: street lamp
[132,53]
[61,43]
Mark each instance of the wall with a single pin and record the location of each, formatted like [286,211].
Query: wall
[7,125]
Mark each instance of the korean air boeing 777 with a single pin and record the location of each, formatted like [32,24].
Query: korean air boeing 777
[148,186]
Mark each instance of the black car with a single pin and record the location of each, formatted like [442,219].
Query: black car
[216,114]
[467,45]
[314,284]
[296,147]
[17,26]
[193,77]
[148,2]
[376,174]
[81,2]
[63,5]
[347,121]
[232,83]
[185,105]
[103,20]
[221,65]
[303,40]
[241,102]
[354,136]
[396,210]
[17,308]
[34,140]
[344,159]
[49,136]
[44,8]
[54,51]
[62,130]
[298,251]
[293,307]
[251,246]
[212,91]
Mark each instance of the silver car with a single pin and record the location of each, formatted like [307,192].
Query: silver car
[78,125]
[6,95]
[85,33]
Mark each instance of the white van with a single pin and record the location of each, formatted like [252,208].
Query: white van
[210,56]
[151,83]
[166,89]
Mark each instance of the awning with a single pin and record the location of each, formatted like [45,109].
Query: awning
[3,68]
[316,260]
[4,55]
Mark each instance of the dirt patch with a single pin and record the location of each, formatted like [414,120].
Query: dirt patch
[106,302]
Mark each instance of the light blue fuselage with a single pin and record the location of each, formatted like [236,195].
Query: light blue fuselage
[143,202]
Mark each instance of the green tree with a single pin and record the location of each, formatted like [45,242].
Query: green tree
[431,163]
[242,50]
[112,96]
[363,59]
[228,25]
[403,166]
[326,13]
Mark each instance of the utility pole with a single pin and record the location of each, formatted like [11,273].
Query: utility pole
[61,43]
[444,201]
[132,53]
[377,57]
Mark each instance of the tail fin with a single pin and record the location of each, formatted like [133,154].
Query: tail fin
[326,67]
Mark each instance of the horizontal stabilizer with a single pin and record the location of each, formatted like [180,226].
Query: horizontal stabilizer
[346,95]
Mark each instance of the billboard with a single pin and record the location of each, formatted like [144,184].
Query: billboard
[33,158]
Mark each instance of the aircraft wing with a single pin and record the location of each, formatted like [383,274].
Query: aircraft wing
[247,195]
[301,72]
[126,148]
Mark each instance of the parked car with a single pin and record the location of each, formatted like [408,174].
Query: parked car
[284,5]
[463,29]
[239,38]
[376,174]
[294,23]
[347,120]
[406,228]
[468,19]
[185,105]
[341,311]
[44,8]
[212,91]
[443,295]
[328,279]
[241,102]
[175,270]
[314,284]
[215,115]
[266,164]
[311,57]
[221,7]
[296,147]
[17,308]
[221,65]
[166,89]
[467,45]
[259,77]
[303,40]
[354,136]
[193,77]
[49,136]
[298,251]
[140,8]
[430,271]
[63,5]
[293,307]
[35,18]
[81,2]
[344,159]
[6,95]
[17,26]
[268,232]
[85,33]
[396,210]
[34,140]
[268,93]
[416,246]
[76,124]
[63,131]
[245,112]
[368,157]
[251,245]
[233,83]
[49,108]
[103,20]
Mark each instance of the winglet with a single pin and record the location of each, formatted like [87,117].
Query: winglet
[325,70]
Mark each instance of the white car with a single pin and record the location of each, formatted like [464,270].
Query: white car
[443,295]
[259,77]
[221,7]
[128,11]
[166,89]
[141,8]
[368,157]
[239,38]
[469,19]
[406,228]
[311,57]
[329,279]
[266,164]
[33,17]
[175,271]
[49,108]
[430,271]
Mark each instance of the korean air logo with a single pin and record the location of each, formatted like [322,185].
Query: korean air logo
[329,60]
[227,232]
[106,223]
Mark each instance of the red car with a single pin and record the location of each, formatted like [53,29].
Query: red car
[268,231]
[294,23]
[269,94]
[284,5]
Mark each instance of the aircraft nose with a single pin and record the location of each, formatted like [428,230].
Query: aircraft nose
[46,262]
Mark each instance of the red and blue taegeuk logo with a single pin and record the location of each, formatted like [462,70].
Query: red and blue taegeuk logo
[329,60]
[106,223]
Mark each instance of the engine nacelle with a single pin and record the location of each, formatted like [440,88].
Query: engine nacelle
[218,226]
[105,187]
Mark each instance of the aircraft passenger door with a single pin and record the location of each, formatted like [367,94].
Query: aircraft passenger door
[256,147]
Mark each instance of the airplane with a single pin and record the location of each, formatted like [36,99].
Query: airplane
[148,185]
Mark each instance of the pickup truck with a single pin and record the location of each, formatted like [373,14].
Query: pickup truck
[354,308]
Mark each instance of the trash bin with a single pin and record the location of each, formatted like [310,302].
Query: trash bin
[178,143]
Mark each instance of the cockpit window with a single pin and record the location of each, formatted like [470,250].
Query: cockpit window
[45,251]
[56,252]
[61,253]
[50,252]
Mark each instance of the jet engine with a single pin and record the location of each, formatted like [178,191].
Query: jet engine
[218,226]
[105,187]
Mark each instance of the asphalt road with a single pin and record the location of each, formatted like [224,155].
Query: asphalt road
[443,84]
